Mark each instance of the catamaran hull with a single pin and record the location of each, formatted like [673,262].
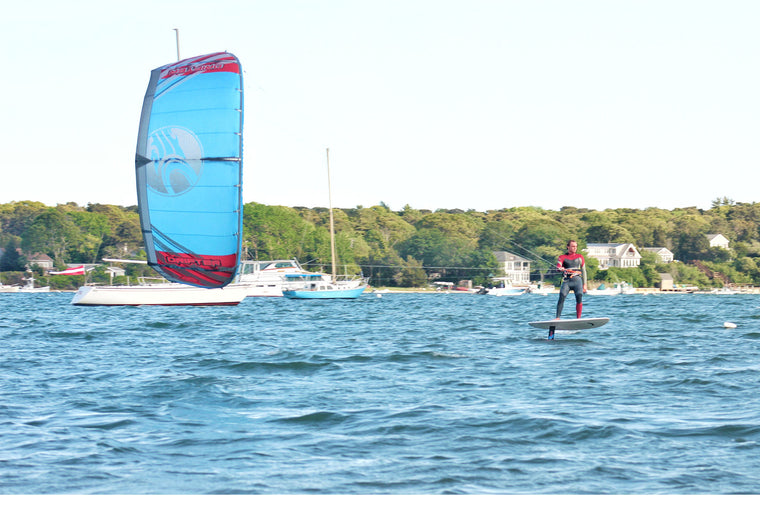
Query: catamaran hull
[163,294]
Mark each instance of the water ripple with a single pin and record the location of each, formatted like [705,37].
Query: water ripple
[441,394]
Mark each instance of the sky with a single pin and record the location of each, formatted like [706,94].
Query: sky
[470,104]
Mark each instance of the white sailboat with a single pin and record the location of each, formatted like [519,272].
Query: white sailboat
[157,292]
[188,167]
[163,294]
[314,285]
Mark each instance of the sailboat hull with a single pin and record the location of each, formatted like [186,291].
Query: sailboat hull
[325,294]
[168,294]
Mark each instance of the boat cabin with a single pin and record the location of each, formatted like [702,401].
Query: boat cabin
[304,281]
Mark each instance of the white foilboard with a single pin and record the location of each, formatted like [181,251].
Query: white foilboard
[570,324]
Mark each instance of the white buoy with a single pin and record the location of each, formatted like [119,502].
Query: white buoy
[729,325]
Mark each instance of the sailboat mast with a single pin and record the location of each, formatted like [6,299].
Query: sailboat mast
[332,221]
[176,32]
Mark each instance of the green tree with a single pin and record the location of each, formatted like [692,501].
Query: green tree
[459,226]
[412,216]
[632,276]
[385,268]
[11,260]
[480,264]
[648,268]
[382,229]
[716,254]
[122,236]
[426,246]
[350,249]
[536,234]
[684,274]
[749,266]
[439,253]
[411,275]
[275,232]
[52,232]
[689,240]
[94,229]
[16,217]
[497,236]
[603,227]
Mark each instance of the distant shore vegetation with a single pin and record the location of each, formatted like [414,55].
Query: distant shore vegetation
[410,247]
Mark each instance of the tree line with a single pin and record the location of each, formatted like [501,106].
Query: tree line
[410,247]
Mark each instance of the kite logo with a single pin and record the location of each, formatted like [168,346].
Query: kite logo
[176,155]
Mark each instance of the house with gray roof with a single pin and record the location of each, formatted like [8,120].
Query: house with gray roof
[614,255]
[516,268]
[663,254]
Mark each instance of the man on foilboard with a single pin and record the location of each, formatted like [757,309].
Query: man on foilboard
[573,267]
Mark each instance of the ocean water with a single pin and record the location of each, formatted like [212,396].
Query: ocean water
[399,394]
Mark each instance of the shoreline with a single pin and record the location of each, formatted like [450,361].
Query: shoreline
[413,290]
[636,291]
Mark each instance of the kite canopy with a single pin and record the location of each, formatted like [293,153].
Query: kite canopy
[189,169]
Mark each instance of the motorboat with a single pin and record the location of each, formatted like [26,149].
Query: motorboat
[29,286]
[506,288]
[542,289]
[267,278]
[507,291]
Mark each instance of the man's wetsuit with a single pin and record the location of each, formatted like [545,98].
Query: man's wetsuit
[574,268]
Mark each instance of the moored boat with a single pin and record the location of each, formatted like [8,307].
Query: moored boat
[163,294]
[268,278]
[507,291]
[618,288]
[188,167]
[314,286]
[541,289]
[29,286]
[505,288]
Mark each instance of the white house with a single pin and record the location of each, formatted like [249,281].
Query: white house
[662,253]
[516,268]
[614,255]
[718,240]
[115,271]
[42,260]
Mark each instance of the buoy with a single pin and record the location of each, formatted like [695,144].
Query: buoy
[729,325]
